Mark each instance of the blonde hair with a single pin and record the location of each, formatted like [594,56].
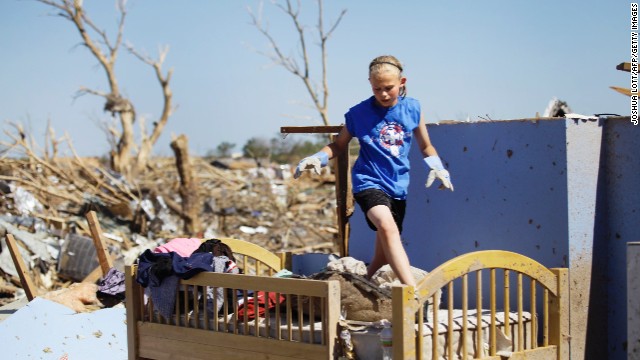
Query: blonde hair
[387,63]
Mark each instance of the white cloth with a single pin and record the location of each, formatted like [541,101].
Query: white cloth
[386,278]
[348,264]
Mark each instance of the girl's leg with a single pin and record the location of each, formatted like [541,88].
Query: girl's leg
[379,259]
[389,247]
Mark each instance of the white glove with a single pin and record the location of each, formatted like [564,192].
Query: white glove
[437,171]
[314,162]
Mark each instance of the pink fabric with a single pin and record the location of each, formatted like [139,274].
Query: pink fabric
[182,246]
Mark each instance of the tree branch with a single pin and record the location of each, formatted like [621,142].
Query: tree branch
[290,64]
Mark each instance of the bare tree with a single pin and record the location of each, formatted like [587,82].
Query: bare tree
[300,66]
[126,155]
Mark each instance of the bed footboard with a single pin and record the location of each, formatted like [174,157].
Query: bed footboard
[535,297]
[260,318]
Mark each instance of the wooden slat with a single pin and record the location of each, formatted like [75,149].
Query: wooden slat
[435,328]
[535,354]
[278,318]
[465,314]
[256,319]
[207,316]
[534,315]
[520,315]
[245,297]
[272,284]
[492,308]
[300,316]
[104,259]
[134,305]
[449,352]
[545,321]
[623,91]
[289,317]
[311,129]
[479,338]
[344,206]
[196,307]
[164,342]
[29,288]
[312,324]
[624,66]
[420,334]
[507,305]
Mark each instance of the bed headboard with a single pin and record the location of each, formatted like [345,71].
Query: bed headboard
[256,260]
[545,299]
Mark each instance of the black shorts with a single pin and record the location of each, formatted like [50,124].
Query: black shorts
[372,197]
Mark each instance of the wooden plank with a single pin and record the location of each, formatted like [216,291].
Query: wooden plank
[404,309]
[332,317]
[101,248]
[534,354]
[134,310]
[178,342]
[261,283]
[559,314]
[311,129]
[25,279]
[343,191]
[624,66]
[622,91]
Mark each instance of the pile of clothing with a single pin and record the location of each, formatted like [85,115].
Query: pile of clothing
[160,270]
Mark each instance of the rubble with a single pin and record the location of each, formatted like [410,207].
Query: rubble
[44,203]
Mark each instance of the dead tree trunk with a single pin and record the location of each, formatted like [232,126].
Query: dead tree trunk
[188,187]
[124,158]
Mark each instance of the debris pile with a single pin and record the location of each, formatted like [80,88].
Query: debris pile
[44,203]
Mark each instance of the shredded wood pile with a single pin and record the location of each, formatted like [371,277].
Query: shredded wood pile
[45,200]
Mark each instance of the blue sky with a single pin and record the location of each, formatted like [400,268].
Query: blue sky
[496,59]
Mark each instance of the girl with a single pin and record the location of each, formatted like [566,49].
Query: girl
[384,125]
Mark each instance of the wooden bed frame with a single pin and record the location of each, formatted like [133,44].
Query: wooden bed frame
[287,334]
[196,333]
[548,288]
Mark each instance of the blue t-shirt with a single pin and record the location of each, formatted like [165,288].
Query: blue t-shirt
[385,139]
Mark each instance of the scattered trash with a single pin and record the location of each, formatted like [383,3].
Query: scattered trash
[263,205]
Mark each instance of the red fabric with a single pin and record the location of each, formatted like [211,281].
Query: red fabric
[247,308]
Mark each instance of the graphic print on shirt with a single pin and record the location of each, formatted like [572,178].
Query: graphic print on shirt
[392,137]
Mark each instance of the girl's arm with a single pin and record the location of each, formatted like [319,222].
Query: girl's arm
[431,157]
[339,145]
[320,159]
[422,137]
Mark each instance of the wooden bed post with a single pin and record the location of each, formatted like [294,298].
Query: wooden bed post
[343,199]
[403,324]
[559,314]
[133,303]
[333,317]
[343,185]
